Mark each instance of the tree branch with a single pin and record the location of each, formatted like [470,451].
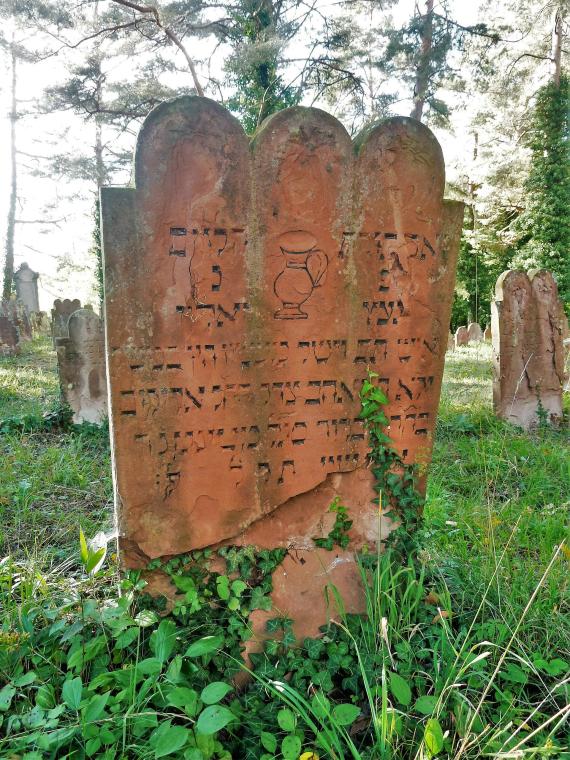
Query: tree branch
[153,11]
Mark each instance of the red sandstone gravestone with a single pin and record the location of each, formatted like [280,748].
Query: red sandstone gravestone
[527,322]
[249,289]
[461,337]
[60,314]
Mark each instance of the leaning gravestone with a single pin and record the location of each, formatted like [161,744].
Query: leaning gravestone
[60,314]
[26,282]
[461,337]
[249,289]
[9,337]
[474,332]
[528,353]
[81,364]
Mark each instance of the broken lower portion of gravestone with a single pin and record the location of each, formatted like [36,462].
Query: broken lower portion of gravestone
[60,314]
[81,365]
[528,353]
[250,288]
[9,337]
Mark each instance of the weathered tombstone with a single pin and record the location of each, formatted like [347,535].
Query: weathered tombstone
[9,337]
[26,281]
[450,341]
[528,359]
[487,335]
[81,364]
[461,337]
[17,313]
[248,290]
[60,314]
[475,334]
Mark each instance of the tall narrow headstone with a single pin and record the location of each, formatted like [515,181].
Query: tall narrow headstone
[26,282]
[474,332]
[461,337]
[9,337]
[81,365]
[528,353]
[60,314]
[249,289]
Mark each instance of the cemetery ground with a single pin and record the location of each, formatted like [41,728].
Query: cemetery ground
[465,651]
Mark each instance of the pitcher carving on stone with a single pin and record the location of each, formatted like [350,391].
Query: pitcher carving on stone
[305,270]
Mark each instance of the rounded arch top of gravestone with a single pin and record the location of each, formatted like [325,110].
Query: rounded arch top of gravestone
[163,152]
[461,336]
[475,332]
[83,325]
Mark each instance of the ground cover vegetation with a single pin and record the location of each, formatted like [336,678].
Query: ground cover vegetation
[464,650]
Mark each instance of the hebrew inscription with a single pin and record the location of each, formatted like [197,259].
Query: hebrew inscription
[249,291]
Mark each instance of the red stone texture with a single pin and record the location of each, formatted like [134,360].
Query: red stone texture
[528,353]
[249,289]
[461,337]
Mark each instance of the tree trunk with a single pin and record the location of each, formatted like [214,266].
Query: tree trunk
[11,222]
[423,67]
[557,33]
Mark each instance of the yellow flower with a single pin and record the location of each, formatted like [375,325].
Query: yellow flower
[309,756]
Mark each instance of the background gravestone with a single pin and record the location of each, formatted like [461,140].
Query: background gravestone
[450,342]
[474,332]
[461,337]
[248,291]
[81,365]
[487,335]
[60,314]
[26,282]
[9,337]
[527,321]
[17,313]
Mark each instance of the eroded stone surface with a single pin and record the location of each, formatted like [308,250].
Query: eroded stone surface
[26,282]
[450,342]
[81,364]
[475,333]
[9,337]
[60,314]
[461,337]
[248,291]
[528,352]
[16,312]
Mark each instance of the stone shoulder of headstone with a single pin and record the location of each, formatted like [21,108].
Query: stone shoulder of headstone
[249,287]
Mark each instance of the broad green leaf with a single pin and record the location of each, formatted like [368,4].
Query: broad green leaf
[163,640]
[95,707]
[433,737]
[238,587]
[83,550]
[146,618]
[320,705]
[185,699]
[291,747]
[214,692]
[127,637]
[168,739]
[425,705]
[95,560]
[25,680]
[6,697]
[345,714]
[71,692]
[205,645]
[45,696]
[268,741]
[92,746]
[400,689]
[286,719]
[151,666]
[223,587]
[213,719]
